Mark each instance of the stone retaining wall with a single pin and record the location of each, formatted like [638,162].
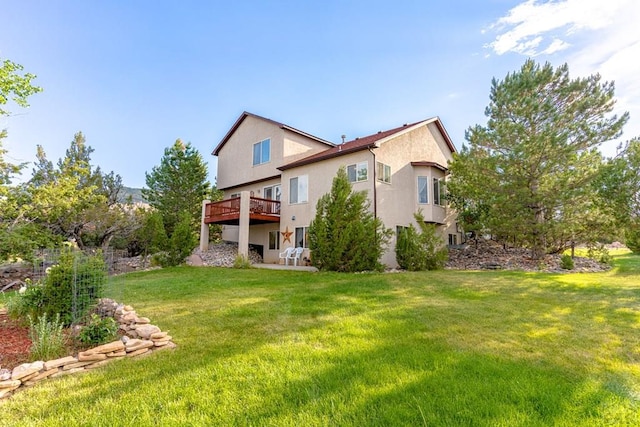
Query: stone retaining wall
[141,337]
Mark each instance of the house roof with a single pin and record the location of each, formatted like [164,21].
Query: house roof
[367,142]
[246,114]
[431,164]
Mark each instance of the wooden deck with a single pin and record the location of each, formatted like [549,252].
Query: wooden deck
[261,211]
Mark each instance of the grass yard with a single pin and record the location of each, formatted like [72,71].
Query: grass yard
[282,348]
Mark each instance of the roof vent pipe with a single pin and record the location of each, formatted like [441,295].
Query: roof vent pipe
[343,138]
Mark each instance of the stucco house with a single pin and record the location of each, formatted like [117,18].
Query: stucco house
[272,176]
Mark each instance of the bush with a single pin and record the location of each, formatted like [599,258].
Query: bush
[420,251]
[47,338]
[344,235]
[600,253]
[181,243]
[632,238]
[566,262]
[31,302]
[98,331]
[241,262]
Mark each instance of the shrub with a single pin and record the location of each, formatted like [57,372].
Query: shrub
[47,338]
[566,262]
[420,251]
[181,243]
[31,302]
[344,235]
[600,253]
[98,331]
[632,238]
[241,262]
[73,285]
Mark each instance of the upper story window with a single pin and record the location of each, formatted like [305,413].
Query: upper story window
[438,191]
[423,189]
[262,152]
[273,192]
[299,189]
[383,172]
[357,172]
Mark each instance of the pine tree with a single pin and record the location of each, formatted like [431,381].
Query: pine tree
[344,235]
[178,185]
[529,170]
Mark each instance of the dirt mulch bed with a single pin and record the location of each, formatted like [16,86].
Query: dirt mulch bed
[14,342]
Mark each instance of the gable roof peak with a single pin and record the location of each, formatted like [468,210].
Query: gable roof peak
[246,114]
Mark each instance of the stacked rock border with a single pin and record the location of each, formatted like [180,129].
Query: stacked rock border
[140,338]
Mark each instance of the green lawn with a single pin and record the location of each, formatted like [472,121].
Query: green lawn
[262,347]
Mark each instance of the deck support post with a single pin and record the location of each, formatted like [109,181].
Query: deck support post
[204,228]
[243,231]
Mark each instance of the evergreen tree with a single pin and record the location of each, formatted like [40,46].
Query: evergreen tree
[178,185]
[344,235]
[424,250]
[531,167]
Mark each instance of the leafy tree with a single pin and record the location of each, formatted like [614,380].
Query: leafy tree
[344,235]
[75,200]
[15,85]
[531,167]
[178,185]
[418,251]
[62,196]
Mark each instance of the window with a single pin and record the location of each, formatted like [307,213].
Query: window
[423,184]
[453,239]
[437,191]
[298,189]
[383,172]
[357,172]
[274,240]
[234,195]
[302,237]
[262,152]
[272,192]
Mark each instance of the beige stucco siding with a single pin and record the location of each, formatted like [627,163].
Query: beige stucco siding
[235,159]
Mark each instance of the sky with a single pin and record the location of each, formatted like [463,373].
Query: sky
[134,76]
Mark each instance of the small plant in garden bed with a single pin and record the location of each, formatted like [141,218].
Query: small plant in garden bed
[98,330]
[48,339]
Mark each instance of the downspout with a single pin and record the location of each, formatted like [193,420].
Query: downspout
[375,193]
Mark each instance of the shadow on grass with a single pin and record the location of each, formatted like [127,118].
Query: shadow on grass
[264,348]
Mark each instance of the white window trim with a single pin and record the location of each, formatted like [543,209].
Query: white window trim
[357,167]
[298,201]
[305,233]
[418,189]
[253,148]
[273,187]
[277,248]
[379,178]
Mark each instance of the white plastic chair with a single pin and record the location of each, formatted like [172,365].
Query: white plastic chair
[295,255]
[286,254]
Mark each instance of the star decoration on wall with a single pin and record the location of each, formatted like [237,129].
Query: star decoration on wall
[286,235]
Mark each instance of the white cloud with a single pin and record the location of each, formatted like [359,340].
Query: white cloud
[528,23]
[592,36]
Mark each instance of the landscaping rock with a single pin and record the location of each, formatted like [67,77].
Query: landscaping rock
[59,362]
[26,369]
[224,255]
[145,331]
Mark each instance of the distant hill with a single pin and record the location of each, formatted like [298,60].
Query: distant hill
[135,193]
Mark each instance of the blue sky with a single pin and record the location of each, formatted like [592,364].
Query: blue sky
[134,76]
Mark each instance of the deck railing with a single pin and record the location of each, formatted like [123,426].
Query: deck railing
[230,209]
